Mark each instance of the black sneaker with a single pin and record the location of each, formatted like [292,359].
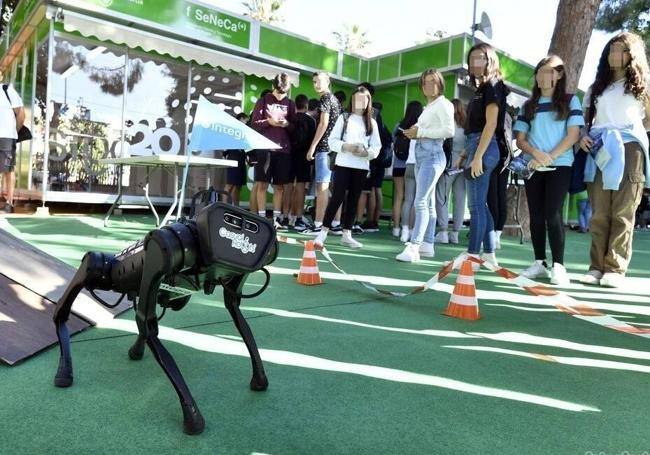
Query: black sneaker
[357,229]
[279,226]
[300,225]
[371,227]
[313,232]
[8,208]
[338,230]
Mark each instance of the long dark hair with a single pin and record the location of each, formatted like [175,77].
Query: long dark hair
[636,72]
[559,101]
[413,111]
[460,117]
[492,70]
[367,114]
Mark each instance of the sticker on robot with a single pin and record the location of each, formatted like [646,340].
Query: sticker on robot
[239,241]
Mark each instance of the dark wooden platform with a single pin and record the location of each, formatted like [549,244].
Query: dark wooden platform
[31,282]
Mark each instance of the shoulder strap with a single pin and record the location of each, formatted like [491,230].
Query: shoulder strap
[346,116]
[5,88]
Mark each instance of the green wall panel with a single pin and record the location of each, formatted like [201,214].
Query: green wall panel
[392,99]
[389,67]
[450,86]
[364,71]
[350,67]
[297,50]
[515,72]
[417,60]
[306,87]
[413,93]
[457,52]
[372,76]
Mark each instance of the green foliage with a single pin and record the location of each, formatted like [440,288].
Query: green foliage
[629,15]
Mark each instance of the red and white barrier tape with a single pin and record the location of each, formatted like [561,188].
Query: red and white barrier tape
[560,300]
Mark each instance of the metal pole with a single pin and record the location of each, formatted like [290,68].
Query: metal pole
[48,91]
[474,23]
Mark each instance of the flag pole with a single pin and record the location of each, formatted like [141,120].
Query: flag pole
[184,182]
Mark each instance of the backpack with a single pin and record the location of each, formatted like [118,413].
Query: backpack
[304,128]
[385,158]
[401,146]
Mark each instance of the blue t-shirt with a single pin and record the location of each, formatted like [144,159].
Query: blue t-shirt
[545,131]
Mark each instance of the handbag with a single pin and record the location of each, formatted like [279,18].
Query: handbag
[24,134]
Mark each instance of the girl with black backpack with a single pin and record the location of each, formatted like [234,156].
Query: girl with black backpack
[355,140]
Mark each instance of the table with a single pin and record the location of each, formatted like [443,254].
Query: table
[167,162]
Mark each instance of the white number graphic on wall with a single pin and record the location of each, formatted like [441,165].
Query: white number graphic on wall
[150,143]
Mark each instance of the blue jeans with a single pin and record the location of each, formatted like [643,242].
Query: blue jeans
[430,163]
[323,172]
[481,228]
[584,214]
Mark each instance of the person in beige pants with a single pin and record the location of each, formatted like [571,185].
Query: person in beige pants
[619,99]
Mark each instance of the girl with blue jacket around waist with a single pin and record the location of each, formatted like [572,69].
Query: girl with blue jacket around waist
[617,107]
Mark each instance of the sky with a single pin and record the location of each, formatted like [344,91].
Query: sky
[522,28]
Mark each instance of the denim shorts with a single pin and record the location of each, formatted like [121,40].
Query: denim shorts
[323,171]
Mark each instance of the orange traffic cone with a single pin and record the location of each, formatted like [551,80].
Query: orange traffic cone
[309,274]
[463,303]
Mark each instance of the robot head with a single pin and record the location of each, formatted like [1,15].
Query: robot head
[235,239]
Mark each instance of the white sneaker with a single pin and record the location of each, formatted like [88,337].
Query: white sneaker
[406,235]
[591,277]
[395,232]
[475,265]
[537,270]
[350,242]
[410,253]
[559,275]
[426,250]
[442,237]
[612,280]
[453,237]
[491,258]
[319,241]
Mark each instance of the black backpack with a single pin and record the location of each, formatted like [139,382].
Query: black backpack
[401,146]
[385,157]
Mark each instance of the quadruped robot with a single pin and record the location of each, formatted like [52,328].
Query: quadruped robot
[220,246]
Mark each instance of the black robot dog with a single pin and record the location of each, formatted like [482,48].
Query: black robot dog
[221,246]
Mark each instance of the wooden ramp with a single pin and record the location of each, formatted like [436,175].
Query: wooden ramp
[31,282]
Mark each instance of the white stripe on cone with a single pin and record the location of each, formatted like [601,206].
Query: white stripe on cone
[463,300]
[465,279]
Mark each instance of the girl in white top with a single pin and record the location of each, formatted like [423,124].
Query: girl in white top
[434,125]
[355,139]
[619,99]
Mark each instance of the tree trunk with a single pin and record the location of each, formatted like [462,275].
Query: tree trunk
[573,26]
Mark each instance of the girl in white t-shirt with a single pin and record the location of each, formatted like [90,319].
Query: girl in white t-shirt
[619,103]
[355,139]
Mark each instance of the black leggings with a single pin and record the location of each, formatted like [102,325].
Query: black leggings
[497,201]
[352,181]
[546,192]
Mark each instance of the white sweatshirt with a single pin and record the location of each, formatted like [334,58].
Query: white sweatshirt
[354,134]
[437,120]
